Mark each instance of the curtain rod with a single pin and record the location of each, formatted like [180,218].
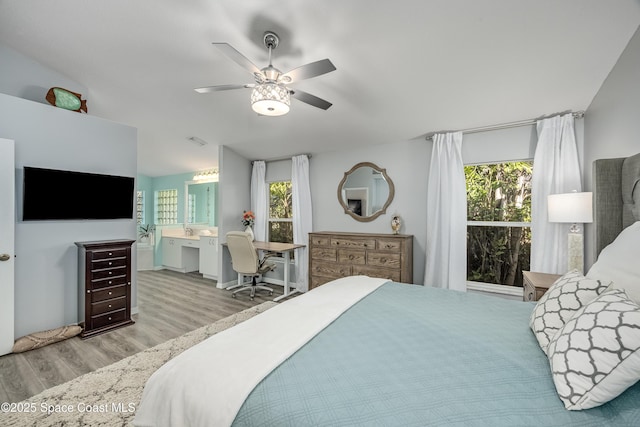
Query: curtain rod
[530,122]
[277,159]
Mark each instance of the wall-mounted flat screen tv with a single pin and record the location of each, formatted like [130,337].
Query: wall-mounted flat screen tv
[50,194]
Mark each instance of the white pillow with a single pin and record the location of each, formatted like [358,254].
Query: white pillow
[596,355]
[620,262]
[560,303]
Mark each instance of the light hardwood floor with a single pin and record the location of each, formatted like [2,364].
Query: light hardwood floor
[169,305]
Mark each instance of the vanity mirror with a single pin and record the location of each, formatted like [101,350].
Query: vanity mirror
[200,202]
[365,192]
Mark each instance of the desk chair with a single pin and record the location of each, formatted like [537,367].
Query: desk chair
[245,261]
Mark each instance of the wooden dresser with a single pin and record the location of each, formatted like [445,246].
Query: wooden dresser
[104,288]
[333,255]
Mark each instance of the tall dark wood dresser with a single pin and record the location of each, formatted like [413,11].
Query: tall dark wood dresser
[104,285]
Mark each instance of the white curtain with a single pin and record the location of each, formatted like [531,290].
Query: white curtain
[556,169]
[446,248]
[302,220]
[259,201]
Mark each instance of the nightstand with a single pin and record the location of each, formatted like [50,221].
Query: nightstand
[536,284]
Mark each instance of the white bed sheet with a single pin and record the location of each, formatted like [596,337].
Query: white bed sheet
[226,367]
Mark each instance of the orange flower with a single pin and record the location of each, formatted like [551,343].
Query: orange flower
[247,218]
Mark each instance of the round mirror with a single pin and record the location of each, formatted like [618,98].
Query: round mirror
[365,192]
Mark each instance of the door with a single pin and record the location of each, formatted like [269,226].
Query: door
[7,235]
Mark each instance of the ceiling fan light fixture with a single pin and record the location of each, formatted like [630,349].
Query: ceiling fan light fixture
[270,99]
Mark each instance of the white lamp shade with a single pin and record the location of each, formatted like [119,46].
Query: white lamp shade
[270,99]
[570,207]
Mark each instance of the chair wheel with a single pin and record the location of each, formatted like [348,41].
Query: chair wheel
[251,298]
[233,295]
[270,293]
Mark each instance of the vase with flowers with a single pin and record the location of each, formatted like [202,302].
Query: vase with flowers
[248,218]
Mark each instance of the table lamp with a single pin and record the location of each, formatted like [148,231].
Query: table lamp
[575,208]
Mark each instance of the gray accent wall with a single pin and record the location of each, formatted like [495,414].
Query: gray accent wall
[612,123]
[234,197]
[46,264]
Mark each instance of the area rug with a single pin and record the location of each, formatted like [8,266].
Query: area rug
[109,396]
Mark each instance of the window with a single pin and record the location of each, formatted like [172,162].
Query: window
[140,207]
[166,206]
[280,228]
[498,222]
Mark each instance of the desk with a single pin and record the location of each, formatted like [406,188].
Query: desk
[282,248]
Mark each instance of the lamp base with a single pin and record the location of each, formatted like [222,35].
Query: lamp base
[576,252]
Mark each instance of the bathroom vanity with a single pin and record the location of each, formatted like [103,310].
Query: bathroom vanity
[191,253]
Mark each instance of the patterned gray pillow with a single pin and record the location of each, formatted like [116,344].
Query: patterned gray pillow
[596,355]
[560,303]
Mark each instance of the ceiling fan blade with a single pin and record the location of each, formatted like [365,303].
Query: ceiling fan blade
[313,100]
[237,57]
[307,71]
[218,88]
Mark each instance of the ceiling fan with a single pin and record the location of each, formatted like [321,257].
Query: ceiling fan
[270,95]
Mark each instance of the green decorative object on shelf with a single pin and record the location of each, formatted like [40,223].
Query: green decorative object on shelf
[66,99]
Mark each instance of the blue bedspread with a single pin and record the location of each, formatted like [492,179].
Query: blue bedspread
[415,356]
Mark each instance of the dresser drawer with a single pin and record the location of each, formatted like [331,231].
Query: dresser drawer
[109,293]
[383,259]
[108,272]
[108,318]
[107,282]
[320,240]
[352,256]
[353,243]
[114,253]
[382,273]
[529,292]
[327,254]
[329,269]
[108,263]
[101,307]
[394,245]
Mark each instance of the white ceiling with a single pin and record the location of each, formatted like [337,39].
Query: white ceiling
[404,68]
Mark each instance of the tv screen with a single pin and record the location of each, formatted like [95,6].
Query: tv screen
[50,194]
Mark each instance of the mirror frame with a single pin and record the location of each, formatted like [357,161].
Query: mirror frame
[392,192]
[186,196]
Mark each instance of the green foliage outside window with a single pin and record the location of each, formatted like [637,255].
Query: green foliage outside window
[498,192]
[280,212]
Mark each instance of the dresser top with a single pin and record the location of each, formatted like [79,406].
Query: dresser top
[105,243]
[350,234]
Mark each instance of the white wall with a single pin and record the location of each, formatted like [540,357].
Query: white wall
[612,124]
[46,265]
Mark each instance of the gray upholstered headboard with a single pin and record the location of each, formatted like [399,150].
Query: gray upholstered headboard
[616,199]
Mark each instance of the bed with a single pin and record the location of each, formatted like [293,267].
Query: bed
[364,351]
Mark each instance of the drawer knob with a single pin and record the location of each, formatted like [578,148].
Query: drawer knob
[110,253]
[110,263]
[110,281]
[110,292]
[111,272]
[109,305]
[88,291]
[109,318]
